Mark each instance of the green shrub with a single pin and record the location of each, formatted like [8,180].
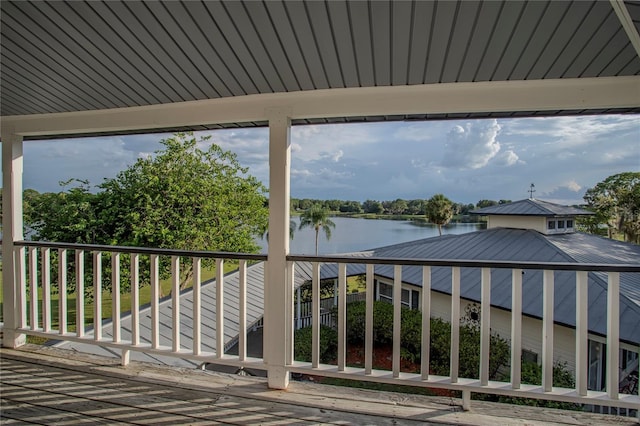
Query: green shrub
[411,339]
[531,374]
[328,344]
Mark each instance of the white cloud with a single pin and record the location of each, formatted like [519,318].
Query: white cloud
[508,158]
[472,146]
[466,160]
[573,186]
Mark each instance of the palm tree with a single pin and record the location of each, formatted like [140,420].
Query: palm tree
[317,217]
[439,210]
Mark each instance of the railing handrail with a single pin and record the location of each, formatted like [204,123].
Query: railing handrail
[143,250]
[476,263]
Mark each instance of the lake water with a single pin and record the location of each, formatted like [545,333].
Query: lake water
[352,234]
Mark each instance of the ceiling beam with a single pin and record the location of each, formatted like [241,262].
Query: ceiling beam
[627,23]
[477,97]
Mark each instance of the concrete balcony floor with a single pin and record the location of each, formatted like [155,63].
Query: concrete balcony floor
[43,385]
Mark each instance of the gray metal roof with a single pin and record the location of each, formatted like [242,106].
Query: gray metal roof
[64,56]
[255,310]
[531,207]
[522,245]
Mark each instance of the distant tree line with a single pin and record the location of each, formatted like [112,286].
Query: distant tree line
[417,207]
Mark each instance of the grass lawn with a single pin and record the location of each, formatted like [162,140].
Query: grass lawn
[107,301]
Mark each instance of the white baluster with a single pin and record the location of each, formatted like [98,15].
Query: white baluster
[197,305]
[426,322]
[397,319]
[155,306]
[97,295]
[485,326]
[33,286]
[547,330]
[242,308]
[46,288]
[135,299]
[342,313]
[582,349]
[175,302]
[80,293]
[516,328]
[115,296]
[613,334]
[455,323]
[219,308]
[368,327]
[62,291]
[315,317]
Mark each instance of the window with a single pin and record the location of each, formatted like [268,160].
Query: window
[561,224]
[551,224]
[385,292]
[410,298]
[569,223]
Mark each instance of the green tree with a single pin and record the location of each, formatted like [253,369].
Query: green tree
[186,198]
[616,202]
[69,216]
[486,203]
[183,197]
[317,217]
[398,206]
[372,206]
[439,211]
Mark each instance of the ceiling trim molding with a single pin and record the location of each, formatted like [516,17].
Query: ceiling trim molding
[627,23]
[445,98]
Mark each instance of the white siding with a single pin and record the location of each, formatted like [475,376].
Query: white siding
[537,223]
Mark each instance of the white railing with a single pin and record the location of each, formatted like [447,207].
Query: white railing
[482,384]
[122,330]
[202,335]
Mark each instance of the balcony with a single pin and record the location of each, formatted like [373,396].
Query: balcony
[45,385]
[113,68]
[197,326]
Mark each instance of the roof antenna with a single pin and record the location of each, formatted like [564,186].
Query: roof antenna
[531,191]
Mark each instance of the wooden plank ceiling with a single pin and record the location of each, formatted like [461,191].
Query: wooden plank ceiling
[67,56]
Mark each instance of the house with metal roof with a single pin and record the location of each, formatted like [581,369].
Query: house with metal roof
[523,231]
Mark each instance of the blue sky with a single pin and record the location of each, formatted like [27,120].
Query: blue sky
[467,160]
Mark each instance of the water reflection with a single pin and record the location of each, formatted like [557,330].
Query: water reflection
[351,234]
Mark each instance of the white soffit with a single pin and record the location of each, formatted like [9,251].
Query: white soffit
[511,96]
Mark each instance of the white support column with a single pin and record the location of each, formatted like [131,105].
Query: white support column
[12,231]
[278,292]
